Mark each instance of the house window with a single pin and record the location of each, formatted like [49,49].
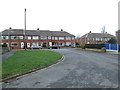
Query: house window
[56,38]
[35,37]
[43,37]
[14,43]
[97,39]
[67,38]
[101,39]
[61,44]
[4,37]
[21,37]
[35,44]
[91,39]
[68,43]
[4,43]
[52,38]
[109,39]
[73,38]
[61,38]
[14,37]
[49,37]
[106,39]
[29,37]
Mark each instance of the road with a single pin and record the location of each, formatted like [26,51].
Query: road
[79,69]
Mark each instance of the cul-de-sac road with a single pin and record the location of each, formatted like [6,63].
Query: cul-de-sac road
[79,69]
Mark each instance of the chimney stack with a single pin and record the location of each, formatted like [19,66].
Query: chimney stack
[61,29]
[10,28]
[90,32]
[37,28]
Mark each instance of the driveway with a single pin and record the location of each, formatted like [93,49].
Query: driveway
[80,69]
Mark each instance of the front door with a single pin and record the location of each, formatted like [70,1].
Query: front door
[22,44]
[28,45]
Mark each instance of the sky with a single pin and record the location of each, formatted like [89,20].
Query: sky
[77,17]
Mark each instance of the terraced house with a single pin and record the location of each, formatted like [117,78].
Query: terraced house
[17,39]
[94,38]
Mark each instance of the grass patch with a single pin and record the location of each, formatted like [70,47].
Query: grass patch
[26,60]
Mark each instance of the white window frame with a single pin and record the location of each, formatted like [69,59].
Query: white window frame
[6,37]
[14,43]
[68,43]
[20,37]
[37,44]
[35,37]
[68,38]
[53,38]
[12,37]
[29,37]
[56,38]
[62,43]
[43,37]
[73,38]
[61,38]
[49,37]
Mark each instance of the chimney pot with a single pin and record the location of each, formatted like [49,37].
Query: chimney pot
[10,28]
[90,32]
[37,28]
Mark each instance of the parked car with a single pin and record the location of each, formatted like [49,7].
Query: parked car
[36,47]
[54,47]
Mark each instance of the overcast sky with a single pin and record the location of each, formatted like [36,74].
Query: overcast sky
[73,16]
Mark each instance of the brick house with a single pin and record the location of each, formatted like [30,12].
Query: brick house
[15,38]
[94,38]
[118,36]
[118,39]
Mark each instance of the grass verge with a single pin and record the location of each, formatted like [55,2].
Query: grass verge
[25,60]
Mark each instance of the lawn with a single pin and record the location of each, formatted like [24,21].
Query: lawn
[26,60]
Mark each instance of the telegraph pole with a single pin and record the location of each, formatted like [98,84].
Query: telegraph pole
[25,30]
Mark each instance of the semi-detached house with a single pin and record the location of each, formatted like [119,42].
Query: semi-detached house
[16,38]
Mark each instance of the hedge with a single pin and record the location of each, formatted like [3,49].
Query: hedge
[96,46]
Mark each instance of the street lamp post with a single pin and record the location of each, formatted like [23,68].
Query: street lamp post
[25,29]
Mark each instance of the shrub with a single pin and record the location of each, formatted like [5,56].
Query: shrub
[103,49]
[4,45]
[96,46]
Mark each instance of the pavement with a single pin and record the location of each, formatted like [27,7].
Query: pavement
[79,69]
[113,51]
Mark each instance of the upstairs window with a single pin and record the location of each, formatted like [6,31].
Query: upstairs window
[73,38]
[56,38]
[35,37]
[14,37]
[49,37]
[29,37]
[21,37]
[4,37]
[67,38]
[43,37]
[61,38]
[97,39]
[52,38]
[90,39]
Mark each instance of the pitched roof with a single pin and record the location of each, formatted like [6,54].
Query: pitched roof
[35,32]
[97,35]
[118,31]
